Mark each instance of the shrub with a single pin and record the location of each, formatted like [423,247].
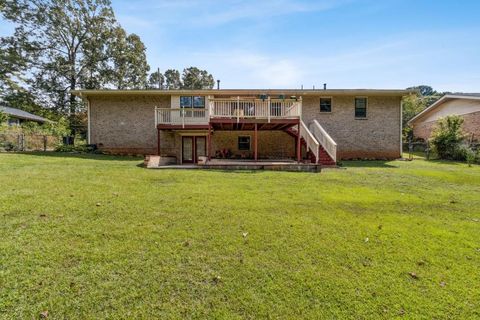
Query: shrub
[447,138]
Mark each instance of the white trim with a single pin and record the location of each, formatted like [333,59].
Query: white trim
[441,101]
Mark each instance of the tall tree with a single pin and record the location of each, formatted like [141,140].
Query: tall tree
[172,79]
[194,78]
[155,80]
[62,45]
[129,68]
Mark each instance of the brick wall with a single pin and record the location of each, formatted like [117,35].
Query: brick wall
[377,136]
[471,125]
[125,124]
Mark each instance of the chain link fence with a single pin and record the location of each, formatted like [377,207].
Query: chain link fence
[28,142]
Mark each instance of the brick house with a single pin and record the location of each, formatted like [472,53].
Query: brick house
[184,126]
[465,105]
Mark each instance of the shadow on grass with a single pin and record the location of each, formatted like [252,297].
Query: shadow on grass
[90,156]
[368,164]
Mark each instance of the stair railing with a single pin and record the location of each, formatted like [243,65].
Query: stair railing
[324,139]
[310,140]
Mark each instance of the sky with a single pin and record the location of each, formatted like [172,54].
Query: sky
[290,43]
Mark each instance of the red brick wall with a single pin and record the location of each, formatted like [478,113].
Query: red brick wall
[471,125]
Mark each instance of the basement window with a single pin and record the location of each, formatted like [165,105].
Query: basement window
[361,107]
[325,104]
[243,143]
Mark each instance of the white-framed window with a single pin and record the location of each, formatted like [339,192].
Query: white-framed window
[192,102]
[361,104]
[325,104]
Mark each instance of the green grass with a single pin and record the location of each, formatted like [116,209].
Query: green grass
[89,237]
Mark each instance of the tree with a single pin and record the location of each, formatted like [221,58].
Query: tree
[172,79]
[447,137]
[129,68]
[194,78]
[424,90]
[155,80]
[62,45]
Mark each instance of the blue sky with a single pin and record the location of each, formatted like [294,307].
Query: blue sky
[287,43]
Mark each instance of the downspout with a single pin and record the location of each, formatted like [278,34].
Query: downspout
[401,127]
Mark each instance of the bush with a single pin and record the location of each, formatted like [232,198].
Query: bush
[71,148]
[447,138]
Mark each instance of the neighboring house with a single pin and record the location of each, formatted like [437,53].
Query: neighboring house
[17,116]
[322,125]
[466,105]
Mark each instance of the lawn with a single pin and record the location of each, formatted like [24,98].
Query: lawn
[90,237]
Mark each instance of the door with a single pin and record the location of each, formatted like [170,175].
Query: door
[193,147]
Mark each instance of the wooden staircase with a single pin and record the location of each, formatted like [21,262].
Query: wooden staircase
[315,151]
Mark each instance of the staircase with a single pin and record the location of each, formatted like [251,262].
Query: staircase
[321,148]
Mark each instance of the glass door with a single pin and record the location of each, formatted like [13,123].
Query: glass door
[187,149]
[200,147]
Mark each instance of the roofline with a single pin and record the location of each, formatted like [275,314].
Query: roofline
[439,102]
[296,92]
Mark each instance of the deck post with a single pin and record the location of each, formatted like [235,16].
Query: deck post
[158,141]
[209,142]
[299,144]
[255,143]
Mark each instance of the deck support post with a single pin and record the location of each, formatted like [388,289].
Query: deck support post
[158,141]
[209,142]
[255,142]
[299,144]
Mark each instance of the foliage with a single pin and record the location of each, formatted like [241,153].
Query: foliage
[172,79]
[80,148]
[155,80]
[447,138]
[90,229]
[424,90]
[62,45]
[129,68]
[194,78]
[3,117]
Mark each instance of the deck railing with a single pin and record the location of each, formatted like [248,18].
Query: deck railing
[238,108]
[324,139]
[181,116]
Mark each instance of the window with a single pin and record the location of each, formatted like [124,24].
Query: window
[13,122]
[244,143]
[192,102]
[325,104]
[360,107]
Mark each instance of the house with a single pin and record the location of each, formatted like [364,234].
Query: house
[184,126]
[466,105]
[17,116]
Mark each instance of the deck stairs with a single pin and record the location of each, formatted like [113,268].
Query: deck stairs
[321,148]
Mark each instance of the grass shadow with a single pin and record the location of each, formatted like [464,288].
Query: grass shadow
[89,156]
[368,164]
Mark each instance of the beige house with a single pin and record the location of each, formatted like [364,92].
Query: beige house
[187,126]
[466,106]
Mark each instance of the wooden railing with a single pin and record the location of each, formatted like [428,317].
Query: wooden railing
[181,116]
[312,143]
[324,139]
[239,108]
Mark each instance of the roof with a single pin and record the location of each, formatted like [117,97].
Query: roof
[17,113]
[445,98]
[290,92]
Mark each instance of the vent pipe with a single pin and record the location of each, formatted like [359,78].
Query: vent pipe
[324,86]
[218,84]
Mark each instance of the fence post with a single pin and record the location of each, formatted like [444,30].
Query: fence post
[45,143]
